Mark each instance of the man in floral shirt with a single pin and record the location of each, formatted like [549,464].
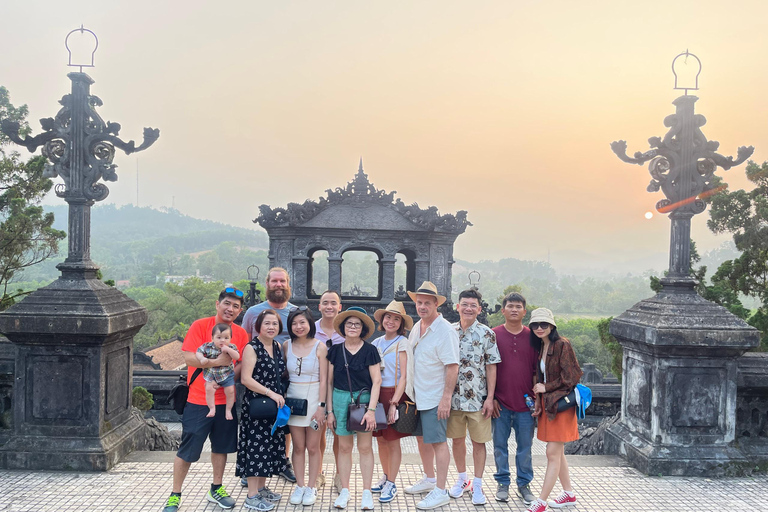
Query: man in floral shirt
[472,400]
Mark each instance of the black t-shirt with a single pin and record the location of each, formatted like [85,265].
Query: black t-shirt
[359,373]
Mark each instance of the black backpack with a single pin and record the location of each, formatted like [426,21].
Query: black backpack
[180,392]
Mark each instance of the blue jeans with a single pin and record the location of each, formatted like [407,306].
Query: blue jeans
[523,423]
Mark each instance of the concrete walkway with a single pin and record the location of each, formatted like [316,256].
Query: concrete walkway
[142,483]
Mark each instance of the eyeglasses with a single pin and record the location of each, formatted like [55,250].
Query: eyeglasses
[353,325]
[298,308]
[237,292]
[535,326]
[468,306]
[298,365]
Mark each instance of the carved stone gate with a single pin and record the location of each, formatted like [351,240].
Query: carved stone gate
[361,217]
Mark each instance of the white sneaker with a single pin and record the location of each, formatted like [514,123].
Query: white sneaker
[378,486]
[297,496]
[460,487]
[367,501]
[420,487]
[342,500]
[478,497]
[310,496]
[435,499]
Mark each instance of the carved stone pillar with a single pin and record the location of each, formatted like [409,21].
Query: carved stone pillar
[422,271]
[388,278]
[299,282]
[334,273]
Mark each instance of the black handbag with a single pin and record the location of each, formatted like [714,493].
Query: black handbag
[567,401]
[408,418]
[298,406]
[356,411]
[180,392]
[407,415]
[261,407]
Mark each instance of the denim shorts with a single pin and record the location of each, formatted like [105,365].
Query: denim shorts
[229,381]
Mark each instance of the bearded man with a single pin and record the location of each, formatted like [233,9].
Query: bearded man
[278,294]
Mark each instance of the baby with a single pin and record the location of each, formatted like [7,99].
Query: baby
[224,376]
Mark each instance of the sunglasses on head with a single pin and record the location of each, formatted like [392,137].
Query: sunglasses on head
[238,293]
[298,308]
[539,325]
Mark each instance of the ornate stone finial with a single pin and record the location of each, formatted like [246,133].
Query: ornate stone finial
[360,169]
[682,165]
[79,147]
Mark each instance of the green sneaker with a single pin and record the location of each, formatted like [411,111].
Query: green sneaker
[172,505]
[221,497]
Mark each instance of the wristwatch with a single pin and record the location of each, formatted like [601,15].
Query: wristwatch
[321,404]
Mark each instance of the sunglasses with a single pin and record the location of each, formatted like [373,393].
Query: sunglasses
[239,294]
[539,325]
[298,308]
[298,365]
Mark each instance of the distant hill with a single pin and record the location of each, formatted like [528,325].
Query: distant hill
[127,236]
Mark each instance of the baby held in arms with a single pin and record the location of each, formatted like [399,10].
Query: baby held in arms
[223,376]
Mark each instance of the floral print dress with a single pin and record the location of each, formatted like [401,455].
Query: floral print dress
[259,453]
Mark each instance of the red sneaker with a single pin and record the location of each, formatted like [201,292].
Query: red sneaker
[563,500]
[537,506]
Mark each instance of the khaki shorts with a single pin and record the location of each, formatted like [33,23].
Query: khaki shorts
[461,421]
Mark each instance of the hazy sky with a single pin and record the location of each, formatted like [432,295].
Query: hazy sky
[502,108]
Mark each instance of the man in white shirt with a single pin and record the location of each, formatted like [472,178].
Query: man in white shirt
[435,345]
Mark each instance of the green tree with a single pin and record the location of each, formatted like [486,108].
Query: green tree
[613,346]
[744,214]
[27,236]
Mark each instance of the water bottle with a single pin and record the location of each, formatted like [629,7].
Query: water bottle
[530,403]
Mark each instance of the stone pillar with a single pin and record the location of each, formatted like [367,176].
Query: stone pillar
[388,278]
[422,271]
[334,273]
[73,387]
[678,407]
[299,282]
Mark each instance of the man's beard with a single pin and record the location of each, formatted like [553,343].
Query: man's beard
[279,295]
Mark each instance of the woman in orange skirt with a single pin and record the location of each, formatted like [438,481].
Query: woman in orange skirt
[557,375]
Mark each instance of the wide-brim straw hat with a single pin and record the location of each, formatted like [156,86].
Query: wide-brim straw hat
[542,315]
[394,308]
[427,288]
[356,312]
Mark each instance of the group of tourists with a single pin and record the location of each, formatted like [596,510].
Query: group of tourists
[433,380]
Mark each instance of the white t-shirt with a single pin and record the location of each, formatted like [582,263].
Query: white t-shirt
[438,347]
[388,377]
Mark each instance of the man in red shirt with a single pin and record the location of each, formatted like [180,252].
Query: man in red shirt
[514,380]
[196,427]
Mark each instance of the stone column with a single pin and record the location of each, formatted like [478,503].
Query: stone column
[334,273]
[299,286]
[388,278]
[422,271]
[678,407]
[72,393]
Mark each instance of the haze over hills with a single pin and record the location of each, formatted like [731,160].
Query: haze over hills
[144,244]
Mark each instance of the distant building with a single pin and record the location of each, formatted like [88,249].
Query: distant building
[122,284]
[166,355]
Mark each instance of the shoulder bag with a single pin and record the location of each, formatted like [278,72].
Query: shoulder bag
[356,411]
[261,407]
[407,415]
[180,392]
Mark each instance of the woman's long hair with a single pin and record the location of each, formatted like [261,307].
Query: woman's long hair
[536,341]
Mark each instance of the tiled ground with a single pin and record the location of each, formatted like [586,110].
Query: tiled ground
[142,484]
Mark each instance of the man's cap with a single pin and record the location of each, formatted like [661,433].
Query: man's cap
[283,414]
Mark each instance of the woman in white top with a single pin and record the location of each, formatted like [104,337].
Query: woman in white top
[393,347]
[308,370]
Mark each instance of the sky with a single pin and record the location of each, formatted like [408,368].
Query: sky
[505,109]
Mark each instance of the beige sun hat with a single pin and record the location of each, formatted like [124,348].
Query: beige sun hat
[542,315]
[356,312]
[395,308]
[427,288]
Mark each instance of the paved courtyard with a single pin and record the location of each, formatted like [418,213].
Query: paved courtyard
[143,482]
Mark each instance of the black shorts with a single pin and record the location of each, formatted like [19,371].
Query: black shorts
[196,428]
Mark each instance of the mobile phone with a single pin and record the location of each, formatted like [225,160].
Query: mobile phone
[313,424]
